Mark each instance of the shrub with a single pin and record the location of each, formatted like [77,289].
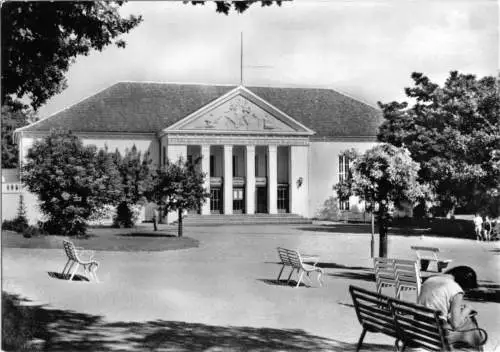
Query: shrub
[16,225]
[124,216]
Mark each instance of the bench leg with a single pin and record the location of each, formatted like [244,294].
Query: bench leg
[300,278]
[283,267]
[289,276]
[69,268]
[66,267]
[74,272]
[360,342]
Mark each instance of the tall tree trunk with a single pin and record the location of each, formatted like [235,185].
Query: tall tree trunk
[179,231]
[383,227]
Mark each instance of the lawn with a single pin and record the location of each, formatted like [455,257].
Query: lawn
[139,238]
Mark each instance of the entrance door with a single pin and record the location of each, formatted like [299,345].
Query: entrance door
[283,199]
[261,200]
[215,200]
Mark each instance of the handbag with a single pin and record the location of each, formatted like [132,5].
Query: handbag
[469,335]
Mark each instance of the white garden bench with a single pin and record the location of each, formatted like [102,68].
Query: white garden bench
[295,261]
[74,261]
[425,255]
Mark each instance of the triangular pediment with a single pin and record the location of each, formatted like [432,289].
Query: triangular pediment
[240,111]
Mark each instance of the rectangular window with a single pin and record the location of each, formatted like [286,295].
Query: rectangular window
[164,155]
[343,168]
[344,205]
[212,166]
[238,194]
[256,165]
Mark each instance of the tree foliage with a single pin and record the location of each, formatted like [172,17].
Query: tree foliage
[383,176]
[11,120]
[72,181]
[238,6]
[454,133]
[179,186]
[41,39]
[136,178]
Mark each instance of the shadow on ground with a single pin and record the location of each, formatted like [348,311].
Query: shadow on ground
[486,292]
[292,283]
[32,327]
[339,228]
[146,234]
[60,276]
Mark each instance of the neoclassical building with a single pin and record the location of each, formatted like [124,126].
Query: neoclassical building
[264,149]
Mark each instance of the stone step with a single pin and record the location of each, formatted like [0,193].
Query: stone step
[236,219]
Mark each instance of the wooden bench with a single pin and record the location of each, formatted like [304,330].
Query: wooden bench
[374,314]
[295,261]
[411,324]
[74,261]
[425,255]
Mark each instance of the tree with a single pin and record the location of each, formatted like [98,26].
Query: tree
[382,177]
[453,132]
[41,39]
[11,120]
[136,177]
[239,6]
[73,182]
[179,186]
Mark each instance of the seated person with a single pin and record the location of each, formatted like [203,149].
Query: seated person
[445,292]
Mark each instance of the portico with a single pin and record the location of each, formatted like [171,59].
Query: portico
[245,175]
[251,152]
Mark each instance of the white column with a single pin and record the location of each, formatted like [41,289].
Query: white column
[228,179]
[272,179]
[205,168]
[250,180]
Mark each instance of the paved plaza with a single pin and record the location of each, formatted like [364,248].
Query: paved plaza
[223,295]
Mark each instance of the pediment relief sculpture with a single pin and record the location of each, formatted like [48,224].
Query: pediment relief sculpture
[239,114]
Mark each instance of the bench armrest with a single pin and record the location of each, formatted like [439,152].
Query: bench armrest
[310,258]
[87,252]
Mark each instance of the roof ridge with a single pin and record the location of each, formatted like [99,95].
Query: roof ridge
[181,83]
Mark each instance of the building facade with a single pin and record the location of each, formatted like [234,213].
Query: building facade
[264,149]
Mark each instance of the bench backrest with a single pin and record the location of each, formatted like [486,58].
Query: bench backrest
[70,250]
[432,250]
[420,326]
[385,273]
[290,257]
[409,322]
[407,275]
[373,311]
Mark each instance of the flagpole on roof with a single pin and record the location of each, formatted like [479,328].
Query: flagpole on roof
[241,58]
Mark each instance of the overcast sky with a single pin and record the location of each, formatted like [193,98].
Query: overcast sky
[366,49]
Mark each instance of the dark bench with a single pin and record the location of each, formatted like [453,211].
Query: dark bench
[412,325]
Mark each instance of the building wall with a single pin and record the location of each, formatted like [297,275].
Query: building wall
[299,180]
[323,171]
[122,143]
